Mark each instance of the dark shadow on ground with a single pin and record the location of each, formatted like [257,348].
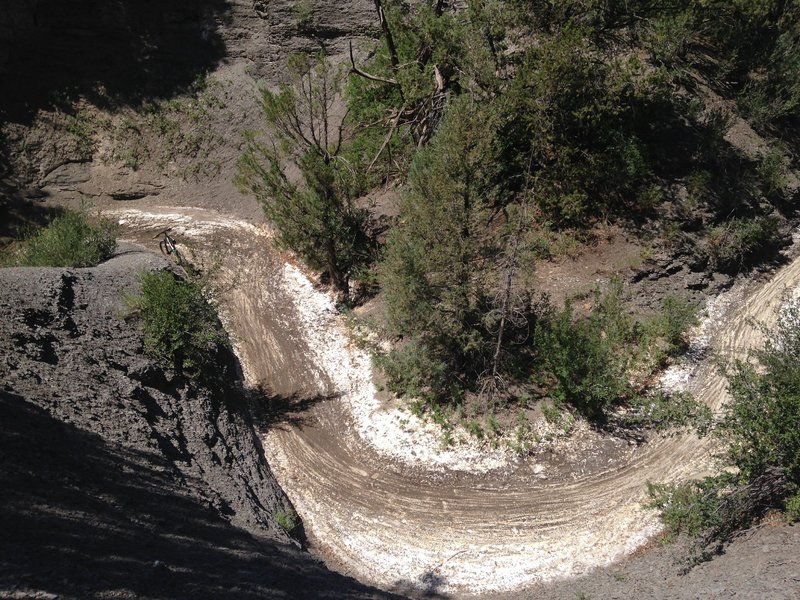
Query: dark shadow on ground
[428,586]
[269,410]
[111,52]
[19,215]
[81,518]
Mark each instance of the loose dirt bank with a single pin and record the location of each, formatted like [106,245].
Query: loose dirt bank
[120,478]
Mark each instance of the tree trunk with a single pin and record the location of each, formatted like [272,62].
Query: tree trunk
[387,33]
[338,278]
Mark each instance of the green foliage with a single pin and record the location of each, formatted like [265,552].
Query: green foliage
[551,413]
[83,125]
[591,359]
[793,508]
[759,428]
[757,53]
[690,508]
[315,220]
[411,370]
[760,421]
[572,114]
[773,48]
[517,123]
[181,328]
[583,357]
[475,429]
[304,14]
[425,54]
[597,124]
[738,242]
[315,217]
[677,315]
[287,519]
[431,274]
[671,412]
[70,240]
[494,425]
[667,38]
[772,169]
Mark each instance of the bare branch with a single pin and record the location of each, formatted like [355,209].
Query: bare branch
[310,106]
[324,108]
[387,33]
[387,139]
[340,136]
[364,74]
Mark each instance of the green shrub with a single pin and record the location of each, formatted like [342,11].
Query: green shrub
[411,371]
[738,242]
[667,38]
[589,357]
[551,413]
[760,421]
[690,507]
[583,357]
[475,429]
[181,327]
[70,240]
[672,411]
[759,428]
[318,219]
[287,519]
[793,508]
[677,315]
[304,14]
[772,170]
[595,361]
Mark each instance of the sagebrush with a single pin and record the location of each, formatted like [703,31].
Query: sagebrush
[72,239]
[181,328]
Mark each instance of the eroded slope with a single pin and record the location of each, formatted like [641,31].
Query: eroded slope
[119,477]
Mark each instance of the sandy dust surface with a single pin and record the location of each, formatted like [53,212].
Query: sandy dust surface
[379,498]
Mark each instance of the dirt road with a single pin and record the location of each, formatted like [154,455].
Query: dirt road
[378,499]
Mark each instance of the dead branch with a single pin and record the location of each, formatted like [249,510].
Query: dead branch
[364,74]
[387,33]
[388,138]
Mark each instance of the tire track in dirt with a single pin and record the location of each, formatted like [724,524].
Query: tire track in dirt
[401,525]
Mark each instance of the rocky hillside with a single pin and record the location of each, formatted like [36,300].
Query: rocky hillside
[121,477]
[142,100]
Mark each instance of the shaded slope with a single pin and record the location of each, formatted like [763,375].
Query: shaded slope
[118,477]
[126,51]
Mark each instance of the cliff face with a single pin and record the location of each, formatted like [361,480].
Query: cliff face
[129,51]
[119,476]
[69,349]
[124,51]
[134,98]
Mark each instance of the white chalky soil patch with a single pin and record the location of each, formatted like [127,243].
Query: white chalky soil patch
[496,533]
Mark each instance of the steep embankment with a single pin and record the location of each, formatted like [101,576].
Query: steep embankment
[373,500]
[120,477]
[81,506]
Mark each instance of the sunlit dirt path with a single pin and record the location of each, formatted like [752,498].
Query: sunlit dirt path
[375,501]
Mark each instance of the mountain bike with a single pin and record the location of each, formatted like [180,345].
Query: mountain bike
[168,245]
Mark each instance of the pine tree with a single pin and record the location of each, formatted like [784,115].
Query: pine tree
[435,271]
[314,216]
